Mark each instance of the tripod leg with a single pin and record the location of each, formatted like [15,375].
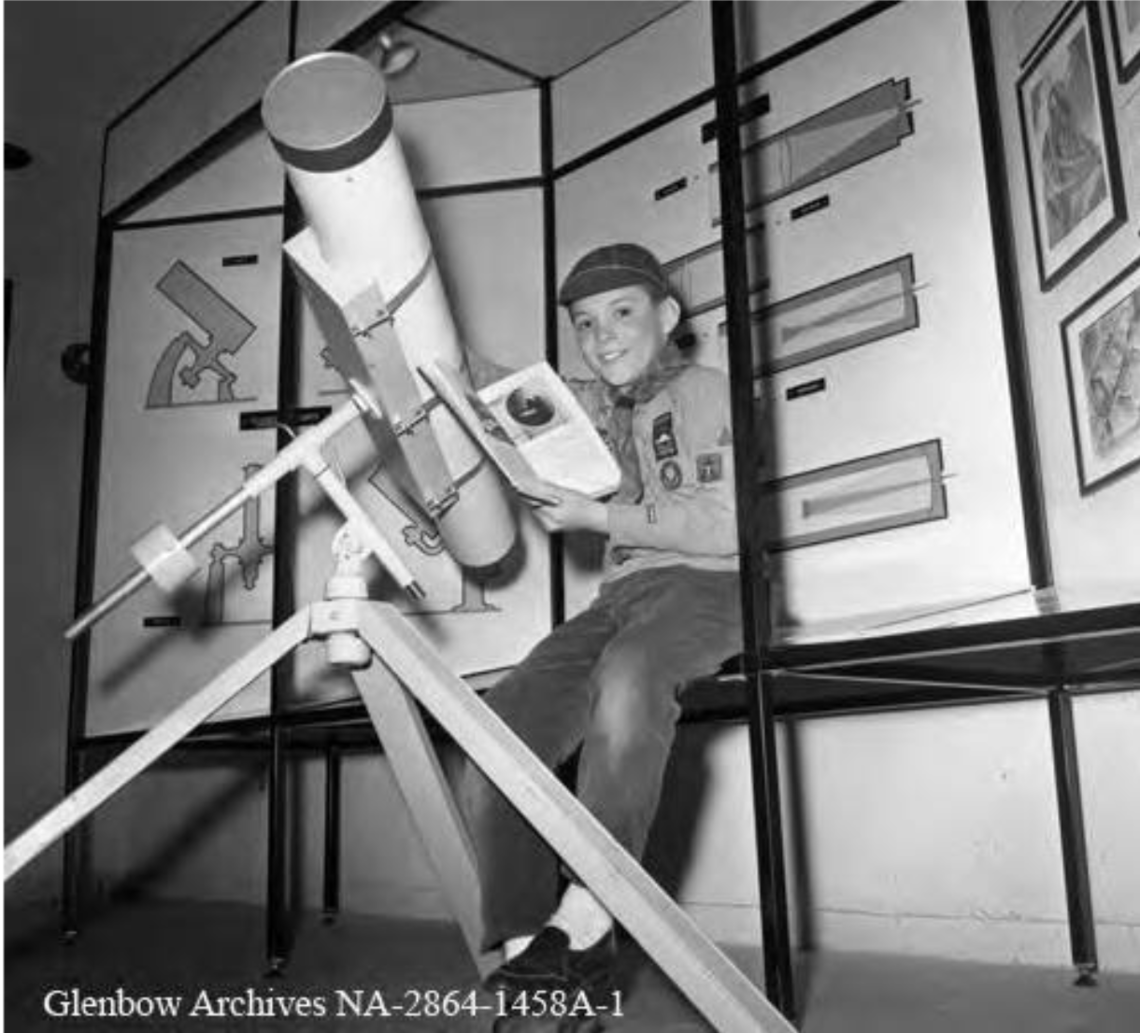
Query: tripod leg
[720,990]
[430,801]
[167,733]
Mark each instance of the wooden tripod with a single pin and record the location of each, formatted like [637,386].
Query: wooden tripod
[405,670]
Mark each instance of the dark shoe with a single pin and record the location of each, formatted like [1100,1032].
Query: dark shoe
[548,963]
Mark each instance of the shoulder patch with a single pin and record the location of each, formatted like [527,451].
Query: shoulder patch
[710,467]
[664,440]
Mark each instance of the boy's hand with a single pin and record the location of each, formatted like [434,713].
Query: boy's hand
[567,510]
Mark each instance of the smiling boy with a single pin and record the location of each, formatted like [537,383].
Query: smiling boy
[605,683]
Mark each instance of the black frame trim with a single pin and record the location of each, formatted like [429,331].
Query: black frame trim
[779,981]
[1039,558]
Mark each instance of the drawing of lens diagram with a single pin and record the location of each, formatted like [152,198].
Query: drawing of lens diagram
[855,130]
[236,564]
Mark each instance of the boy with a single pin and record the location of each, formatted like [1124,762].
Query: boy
[605,683]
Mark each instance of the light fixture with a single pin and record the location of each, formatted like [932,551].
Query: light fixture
[396,56]
[15,157]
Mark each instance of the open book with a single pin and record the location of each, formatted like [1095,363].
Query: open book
[533,429]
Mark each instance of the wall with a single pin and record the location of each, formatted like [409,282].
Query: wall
[1089,534]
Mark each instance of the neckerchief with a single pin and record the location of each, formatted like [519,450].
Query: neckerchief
[622,402]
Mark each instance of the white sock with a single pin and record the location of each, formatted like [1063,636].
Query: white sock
[581,917]
[514,946]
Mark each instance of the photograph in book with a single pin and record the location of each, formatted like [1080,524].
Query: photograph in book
[545,421]
[532,428]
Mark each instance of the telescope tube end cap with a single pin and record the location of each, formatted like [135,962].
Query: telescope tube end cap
[327,112]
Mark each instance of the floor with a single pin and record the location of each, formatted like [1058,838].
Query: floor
[206,952]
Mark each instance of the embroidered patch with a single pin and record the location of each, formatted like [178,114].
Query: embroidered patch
[664,440]
[710,467]
[670,474]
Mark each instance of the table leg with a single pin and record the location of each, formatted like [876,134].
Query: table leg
[1074,851]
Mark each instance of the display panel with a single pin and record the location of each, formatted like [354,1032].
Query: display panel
[192,345]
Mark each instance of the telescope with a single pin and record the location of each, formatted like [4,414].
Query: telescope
[366,265]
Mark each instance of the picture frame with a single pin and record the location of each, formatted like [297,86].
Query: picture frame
[1124,19]
[1101,341]
[1069,139]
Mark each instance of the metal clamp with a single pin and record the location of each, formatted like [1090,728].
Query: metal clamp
[383,317]
[408,423]
[437,505]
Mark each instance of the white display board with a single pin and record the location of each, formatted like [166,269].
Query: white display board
[865,175]
[192,343]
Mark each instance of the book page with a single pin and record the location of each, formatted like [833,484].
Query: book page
[545,421]
[480,422]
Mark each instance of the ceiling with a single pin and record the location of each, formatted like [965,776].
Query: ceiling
[484,46]
[545,38]
[70,66]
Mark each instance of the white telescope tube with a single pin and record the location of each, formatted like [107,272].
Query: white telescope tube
[330,118]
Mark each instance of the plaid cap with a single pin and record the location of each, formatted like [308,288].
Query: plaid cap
[610,267]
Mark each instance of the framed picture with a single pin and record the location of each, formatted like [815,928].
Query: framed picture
[1125,18]
[1070,145]
[1102,358]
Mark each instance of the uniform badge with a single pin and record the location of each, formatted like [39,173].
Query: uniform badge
[710,467]
[670,474]
[664,440]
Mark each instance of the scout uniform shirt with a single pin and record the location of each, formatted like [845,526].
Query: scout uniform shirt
[686,512]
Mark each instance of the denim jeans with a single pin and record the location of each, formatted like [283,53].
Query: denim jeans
[606,683]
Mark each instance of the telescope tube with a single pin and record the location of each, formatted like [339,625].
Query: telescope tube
[330,118]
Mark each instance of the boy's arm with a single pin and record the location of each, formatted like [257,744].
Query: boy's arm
[699,519]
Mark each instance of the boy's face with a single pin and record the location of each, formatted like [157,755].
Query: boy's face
[622,332]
